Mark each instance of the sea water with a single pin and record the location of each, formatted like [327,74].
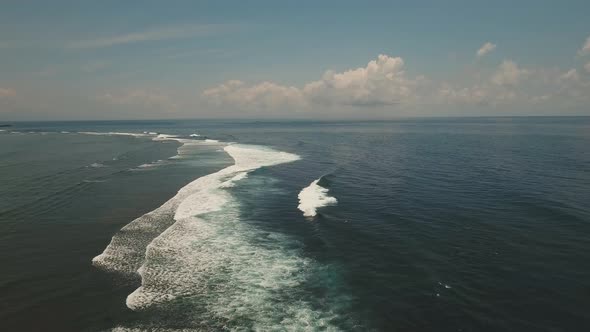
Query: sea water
[461,224]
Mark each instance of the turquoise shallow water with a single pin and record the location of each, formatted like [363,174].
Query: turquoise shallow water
[440,225]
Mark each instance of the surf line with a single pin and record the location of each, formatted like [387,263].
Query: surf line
[127,251]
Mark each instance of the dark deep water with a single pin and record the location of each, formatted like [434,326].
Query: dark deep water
[458,224]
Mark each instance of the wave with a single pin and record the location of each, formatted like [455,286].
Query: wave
[313,197]
[197,256]
[149,166]
[112,133]
[160,137]
[126,251]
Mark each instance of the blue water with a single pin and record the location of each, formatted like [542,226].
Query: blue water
[451,224]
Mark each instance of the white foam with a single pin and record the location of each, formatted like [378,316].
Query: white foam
[227,273]
[314,197]
[200,196]
[232,182]
[97,165]
[208,140]
[148,166]
[194,135]
[162,137]
[247,158]
[112,133]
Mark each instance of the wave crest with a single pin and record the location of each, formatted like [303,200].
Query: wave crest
[313,197]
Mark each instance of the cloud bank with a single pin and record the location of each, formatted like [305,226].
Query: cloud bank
[383,83]
[265,95]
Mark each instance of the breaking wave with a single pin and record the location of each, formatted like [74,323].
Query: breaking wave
[313,197]
[195,253]
[114,134]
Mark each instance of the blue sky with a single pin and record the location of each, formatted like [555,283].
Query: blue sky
[192,59]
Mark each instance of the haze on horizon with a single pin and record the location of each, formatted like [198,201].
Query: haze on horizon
[77,60]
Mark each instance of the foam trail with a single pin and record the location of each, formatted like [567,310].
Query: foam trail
[221,273]
[126,251]
[313,197]
[97,165]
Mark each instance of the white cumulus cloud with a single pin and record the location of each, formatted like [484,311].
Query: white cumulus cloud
[384,85]
[485,49]
[381,82]
[508,73]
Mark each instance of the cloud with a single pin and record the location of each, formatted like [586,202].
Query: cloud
[511,84]
[7,93]
[139,97]
[381,82]
[587,67]
[263,95]
[585,48]
[462,95]
[508,73]
[155,34]
[571,75]
[485,49]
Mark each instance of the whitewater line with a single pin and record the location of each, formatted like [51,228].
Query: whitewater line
[128,248]
[195,253]
[202,196]
[126,251]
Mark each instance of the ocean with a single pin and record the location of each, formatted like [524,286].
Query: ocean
[432,224]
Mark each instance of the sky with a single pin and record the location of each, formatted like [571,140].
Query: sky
[99,60]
